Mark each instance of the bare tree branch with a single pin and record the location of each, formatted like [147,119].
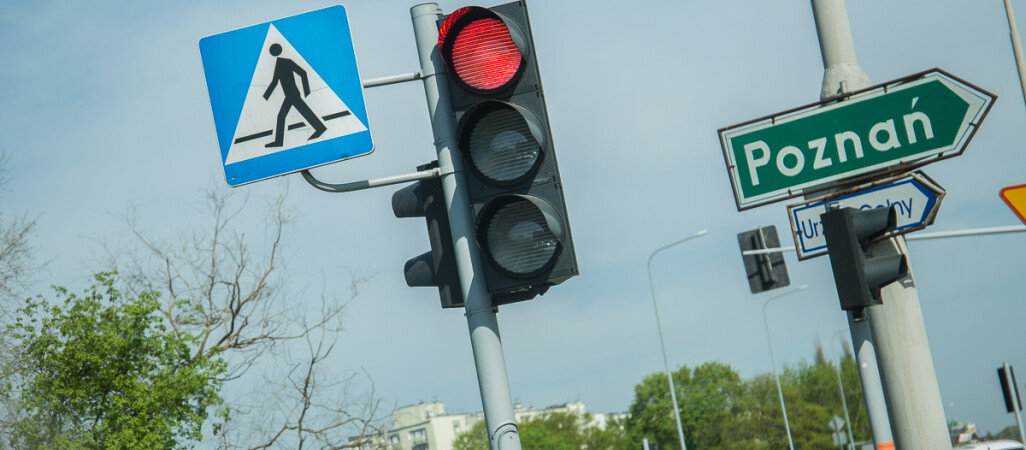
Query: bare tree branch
[16,267]
[230,288]
[16,255]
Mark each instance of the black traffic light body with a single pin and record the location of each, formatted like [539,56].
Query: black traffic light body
[437,267]
[858,274]
[505,141]
[1013,402]
[764,271]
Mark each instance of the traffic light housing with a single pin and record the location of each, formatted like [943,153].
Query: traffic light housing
[858,274]
[764,271]
[437,267]
[504,138]
[1013,402]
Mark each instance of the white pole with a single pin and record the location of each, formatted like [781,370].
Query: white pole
[662,343]
[897,330]
[482,322]
[773,360]
[1014,393]
[840,385]
[1016,47]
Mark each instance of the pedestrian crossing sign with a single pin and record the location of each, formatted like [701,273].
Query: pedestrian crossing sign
[286,95]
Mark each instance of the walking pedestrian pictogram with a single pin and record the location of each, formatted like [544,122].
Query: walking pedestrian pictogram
[285,71]
[286,95]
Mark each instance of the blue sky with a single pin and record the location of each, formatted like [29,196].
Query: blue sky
[105,108]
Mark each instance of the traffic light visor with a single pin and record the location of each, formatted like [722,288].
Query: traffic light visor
[502,141]
[481,49]
[872,223]
[521,235]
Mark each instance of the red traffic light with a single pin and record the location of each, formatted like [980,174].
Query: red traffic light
[481,49]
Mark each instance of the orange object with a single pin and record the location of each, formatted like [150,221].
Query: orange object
[1015,197]
[885,446]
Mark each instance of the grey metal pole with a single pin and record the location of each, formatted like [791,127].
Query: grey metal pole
[773,360]
[662,343]
[841,72]
[1016,47]
[481,318]
[1015,401]
[898,332]
[840,385]
[872,387]
[906,364]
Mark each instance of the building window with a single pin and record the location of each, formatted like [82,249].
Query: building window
[419,433]
[394,439]
[420,447]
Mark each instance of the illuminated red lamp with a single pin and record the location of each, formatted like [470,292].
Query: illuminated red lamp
[481,49]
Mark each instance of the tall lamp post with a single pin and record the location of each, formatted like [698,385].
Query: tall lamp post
[780,391]
[659,328]
[840,385]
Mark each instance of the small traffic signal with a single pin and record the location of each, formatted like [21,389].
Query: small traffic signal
[437,267]
[858,274]
[1010,389]
[505,141]
[765,271]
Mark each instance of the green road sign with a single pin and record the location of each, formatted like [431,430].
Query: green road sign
[894,124]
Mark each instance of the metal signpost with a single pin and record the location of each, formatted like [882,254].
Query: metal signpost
[893,125]
[840,438]
[858,134]
[916,196]
[286,95]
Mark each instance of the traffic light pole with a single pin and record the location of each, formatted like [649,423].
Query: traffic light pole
[1013,392]
[872,389]
[481,318]
[896,328]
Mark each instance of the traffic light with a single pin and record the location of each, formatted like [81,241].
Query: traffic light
[505,141]
[1013,402]
[764,271]
[437,267]
[858,274]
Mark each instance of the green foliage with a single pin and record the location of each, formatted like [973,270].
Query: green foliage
[556,431]
[611,437]
[1010,432]
[476,438]
[710,397]
[102,370]
[553,431]
[719,410]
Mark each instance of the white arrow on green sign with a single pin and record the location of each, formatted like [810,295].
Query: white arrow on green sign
[873,131]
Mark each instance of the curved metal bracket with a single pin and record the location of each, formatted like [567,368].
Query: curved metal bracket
[365,184]
[506,434]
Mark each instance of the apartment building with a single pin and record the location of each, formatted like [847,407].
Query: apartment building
[426,426]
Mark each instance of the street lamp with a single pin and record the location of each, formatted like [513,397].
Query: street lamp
[840,385]
[780,391]
[659,328]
